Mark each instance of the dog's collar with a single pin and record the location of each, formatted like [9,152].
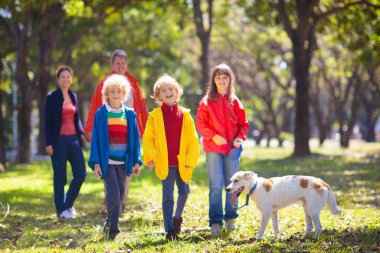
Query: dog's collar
[247,197]
[252,189]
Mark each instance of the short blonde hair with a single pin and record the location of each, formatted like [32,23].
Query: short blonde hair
[118,81]
[165,79]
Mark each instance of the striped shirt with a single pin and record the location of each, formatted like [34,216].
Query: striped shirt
[117,133]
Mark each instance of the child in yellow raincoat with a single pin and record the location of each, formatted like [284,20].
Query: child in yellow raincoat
[170,143]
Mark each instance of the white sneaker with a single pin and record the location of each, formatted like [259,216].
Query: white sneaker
[73,211]
[229,224]
[66,215]
[215,229]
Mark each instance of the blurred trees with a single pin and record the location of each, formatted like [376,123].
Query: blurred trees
[289,57]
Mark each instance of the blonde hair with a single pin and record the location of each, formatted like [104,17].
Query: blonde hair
[221,69]
[165,79]
[118,81]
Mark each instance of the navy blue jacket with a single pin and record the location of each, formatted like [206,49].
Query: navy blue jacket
[53,116]
[100,142]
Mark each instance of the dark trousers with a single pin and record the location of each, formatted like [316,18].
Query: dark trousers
[168,198]
[67,148]
[115,191]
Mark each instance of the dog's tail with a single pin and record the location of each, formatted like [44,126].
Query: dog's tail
[331,203]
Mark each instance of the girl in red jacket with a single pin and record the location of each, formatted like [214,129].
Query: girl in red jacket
[223,125]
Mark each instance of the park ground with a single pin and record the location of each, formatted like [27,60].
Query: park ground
[30,224]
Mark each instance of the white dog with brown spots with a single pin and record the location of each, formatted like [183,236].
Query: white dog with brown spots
[275,193]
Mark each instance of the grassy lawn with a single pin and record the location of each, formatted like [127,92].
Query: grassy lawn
[354,174]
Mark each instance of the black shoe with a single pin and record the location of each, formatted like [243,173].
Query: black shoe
[177,225]
[112,234]
[172,235]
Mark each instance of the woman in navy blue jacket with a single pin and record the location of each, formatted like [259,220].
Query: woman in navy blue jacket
[63,132]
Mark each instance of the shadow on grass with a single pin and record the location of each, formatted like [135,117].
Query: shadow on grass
[363,238]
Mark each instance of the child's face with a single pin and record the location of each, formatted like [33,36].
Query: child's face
[168,94]
[115,96]
[222,83]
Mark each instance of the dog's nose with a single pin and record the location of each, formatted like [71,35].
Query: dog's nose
[228,188]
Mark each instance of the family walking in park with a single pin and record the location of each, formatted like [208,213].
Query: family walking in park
[118,126]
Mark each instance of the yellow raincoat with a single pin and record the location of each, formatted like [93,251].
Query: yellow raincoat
[155,147]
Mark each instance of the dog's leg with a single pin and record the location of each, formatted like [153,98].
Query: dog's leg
[317,223]
[309,222]
[263,225]
[275,223]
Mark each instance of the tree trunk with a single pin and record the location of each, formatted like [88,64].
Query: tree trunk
[302,124]
[204,37]
[52,24]
[203,59]
[43,83]
[355,106]
[2,140]
[24,103]
[303,42]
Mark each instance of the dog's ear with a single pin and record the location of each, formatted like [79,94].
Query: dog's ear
[250,174]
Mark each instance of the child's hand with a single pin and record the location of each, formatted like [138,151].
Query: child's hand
[136,169]
[97,171]
[238,142]
[219,140]
[150,165]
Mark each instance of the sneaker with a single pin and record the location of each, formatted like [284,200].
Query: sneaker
[172,235]
[66,215]
[215,229]
[177,224]
[73,211]
[112,234]
[229,224]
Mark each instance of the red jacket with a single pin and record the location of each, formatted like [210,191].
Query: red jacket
[139,104]
[223,118]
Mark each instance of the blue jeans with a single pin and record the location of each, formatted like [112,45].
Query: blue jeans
[67,148]
[115,191]
[220,169]
[168,197]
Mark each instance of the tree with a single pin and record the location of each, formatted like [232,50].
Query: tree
[204,33]
[300,19]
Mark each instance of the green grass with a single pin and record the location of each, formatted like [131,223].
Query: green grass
[354,173]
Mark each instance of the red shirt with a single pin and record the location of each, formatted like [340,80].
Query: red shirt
[67,125]
[173,118]
[223,118]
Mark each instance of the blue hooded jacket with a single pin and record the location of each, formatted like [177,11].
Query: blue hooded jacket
[100,142]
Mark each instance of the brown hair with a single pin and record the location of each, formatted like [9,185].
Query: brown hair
[62,68]
[221,69]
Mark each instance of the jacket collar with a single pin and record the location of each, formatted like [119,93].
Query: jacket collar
[110,109]
[166,108]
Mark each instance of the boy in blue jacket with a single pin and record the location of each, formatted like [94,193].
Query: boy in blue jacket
[115,147]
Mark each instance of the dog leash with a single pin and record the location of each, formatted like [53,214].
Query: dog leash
[247,197]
